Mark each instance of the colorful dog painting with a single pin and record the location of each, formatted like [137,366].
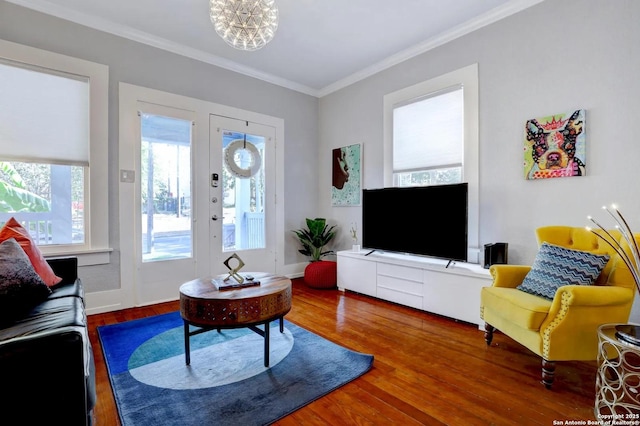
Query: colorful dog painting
[555,146]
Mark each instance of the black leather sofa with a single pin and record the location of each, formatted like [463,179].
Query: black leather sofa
[47,369]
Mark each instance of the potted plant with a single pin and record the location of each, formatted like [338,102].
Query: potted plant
[315,237]
[320,274]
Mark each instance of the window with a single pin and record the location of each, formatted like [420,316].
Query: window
[428,139]
[53,150]
[431,137]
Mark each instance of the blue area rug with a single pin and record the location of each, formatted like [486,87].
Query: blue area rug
[227,382]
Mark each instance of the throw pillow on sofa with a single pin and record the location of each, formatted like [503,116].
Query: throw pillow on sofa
[13,229]
[556,266]
[21,288]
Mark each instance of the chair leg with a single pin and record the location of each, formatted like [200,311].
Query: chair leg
[548,372]
[488,333]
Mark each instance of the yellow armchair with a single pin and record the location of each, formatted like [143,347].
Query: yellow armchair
[564,328]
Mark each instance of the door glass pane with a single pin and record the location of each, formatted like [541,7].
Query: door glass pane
[243,184]
[165,188]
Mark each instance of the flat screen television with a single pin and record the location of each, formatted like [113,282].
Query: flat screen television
[425,220]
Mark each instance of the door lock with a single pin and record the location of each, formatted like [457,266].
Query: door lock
[214,217]
[214,200]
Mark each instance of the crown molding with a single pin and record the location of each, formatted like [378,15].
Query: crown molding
[488,18]
[456,32]
[158,42]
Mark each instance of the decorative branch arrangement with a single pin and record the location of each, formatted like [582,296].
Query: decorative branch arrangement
[633,261]
[354,232]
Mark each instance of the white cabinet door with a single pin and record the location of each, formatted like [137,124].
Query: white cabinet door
[453,295]
[356,274]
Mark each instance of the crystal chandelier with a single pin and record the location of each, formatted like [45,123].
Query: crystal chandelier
[245,24]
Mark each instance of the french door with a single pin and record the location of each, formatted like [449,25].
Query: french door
[242,194]
[195,188]
[165,202]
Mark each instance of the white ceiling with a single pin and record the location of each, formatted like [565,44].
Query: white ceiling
[320,45]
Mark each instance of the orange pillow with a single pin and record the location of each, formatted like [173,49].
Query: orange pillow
[13,229]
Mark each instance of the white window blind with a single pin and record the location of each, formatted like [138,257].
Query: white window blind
[429,133]
[44,115]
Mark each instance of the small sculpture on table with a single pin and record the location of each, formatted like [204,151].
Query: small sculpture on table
[240,281]
[233,272]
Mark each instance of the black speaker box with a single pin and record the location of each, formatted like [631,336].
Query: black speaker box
[495,253]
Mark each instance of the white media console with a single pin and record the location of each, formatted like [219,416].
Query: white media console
[422,283]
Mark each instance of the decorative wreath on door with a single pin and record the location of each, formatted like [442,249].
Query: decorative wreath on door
[230,159]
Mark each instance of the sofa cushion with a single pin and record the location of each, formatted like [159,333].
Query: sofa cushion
[525,310]
[47,317]
[556,266]
[21,288]
[13,229]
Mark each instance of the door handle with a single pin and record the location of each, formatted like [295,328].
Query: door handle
[214,217]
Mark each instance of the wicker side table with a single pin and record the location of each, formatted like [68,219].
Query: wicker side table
[618,377]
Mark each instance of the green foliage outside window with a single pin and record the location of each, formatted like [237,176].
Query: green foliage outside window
[14,193]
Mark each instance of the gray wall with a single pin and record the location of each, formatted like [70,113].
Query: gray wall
[554,57]
[139,64]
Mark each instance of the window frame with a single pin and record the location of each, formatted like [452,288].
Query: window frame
[95,249]
[468,78]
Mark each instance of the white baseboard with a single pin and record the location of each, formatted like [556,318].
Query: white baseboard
[115,300]
[104,301]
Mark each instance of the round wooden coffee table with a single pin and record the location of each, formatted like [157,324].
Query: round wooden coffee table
[204,306]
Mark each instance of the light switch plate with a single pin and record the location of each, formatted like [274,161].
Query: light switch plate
[128,176]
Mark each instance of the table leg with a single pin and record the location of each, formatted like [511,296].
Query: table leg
[266,344]
[187,352]
[281,324]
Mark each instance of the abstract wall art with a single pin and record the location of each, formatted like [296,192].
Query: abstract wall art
[346,165]
[554,146]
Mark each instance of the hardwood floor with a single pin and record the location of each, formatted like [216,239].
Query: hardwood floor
[427,370]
